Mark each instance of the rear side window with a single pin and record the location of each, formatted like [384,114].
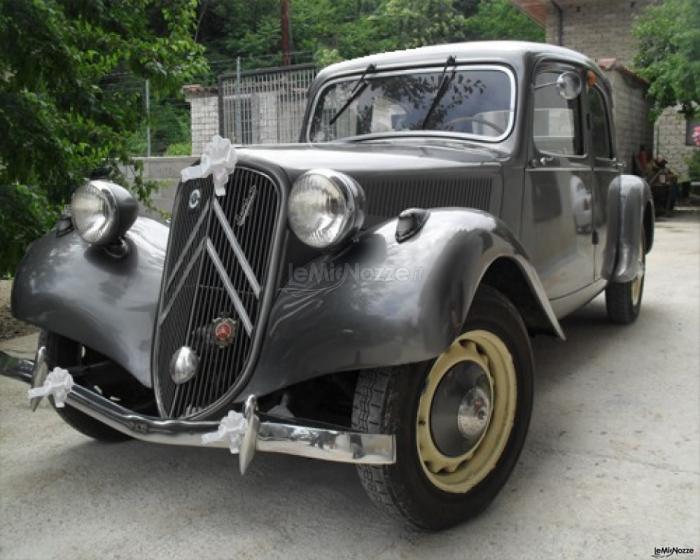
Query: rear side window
[557,122]
[600,128]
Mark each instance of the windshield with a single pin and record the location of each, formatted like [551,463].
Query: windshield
[477,102]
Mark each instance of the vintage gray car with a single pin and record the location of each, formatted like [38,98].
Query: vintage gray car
[367,295]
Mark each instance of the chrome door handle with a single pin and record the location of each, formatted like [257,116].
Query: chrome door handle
[546,160]
[618,165]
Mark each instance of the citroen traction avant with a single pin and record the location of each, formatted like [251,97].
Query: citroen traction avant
[366,295]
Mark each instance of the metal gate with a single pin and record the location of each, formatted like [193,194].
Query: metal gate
[264,106]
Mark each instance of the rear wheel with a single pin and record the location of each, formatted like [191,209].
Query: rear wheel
[623,300]
[63,352]
[460,421]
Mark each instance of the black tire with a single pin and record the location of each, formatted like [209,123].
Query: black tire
[620,302]
[63,352]
[386,401]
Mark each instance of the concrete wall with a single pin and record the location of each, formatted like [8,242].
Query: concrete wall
[166,172]
[598,28]
[204,115]
[670,130]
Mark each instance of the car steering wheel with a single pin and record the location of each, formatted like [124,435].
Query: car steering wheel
[477,120]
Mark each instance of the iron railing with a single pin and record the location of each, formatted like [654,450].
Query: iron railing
[264,106]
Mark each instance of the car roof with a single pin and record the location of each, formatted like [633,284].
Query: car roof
[476,51]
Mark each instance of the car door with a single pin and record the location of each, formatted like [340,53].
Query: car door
[606,168]
[559,184]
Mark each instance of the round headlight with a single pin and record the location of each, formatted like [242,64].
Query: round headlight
[102,211]
[325,207]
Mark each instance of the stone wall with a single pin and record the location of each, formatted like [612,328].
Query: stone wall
[630,113]
[670,130]
[597,28]
[204,114]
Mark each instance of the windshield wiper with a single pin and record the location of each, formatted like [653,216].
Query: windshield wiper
[359,86]
[442,88]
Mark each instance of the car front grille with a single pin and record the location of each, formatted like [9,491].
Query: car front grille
[218,265]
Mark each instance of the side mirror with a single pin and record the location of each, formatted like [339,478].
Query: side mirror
[569,85]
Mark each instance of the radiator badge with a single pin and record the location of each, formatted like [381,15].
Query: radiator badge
[224,331]
[195,198]
[242,215]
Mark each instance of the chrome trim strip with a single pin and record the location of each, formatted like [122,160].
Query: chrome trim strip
[412,69]
[237,303]
[183,277]
[270,434]
[202,216]
[245,265]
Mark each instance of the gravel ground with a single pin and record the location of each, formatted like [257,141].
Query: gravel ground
[9,326]
[610,468]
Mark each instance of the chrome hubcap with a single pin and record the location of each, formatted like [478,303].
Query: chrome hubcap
[461,409]
[474,414]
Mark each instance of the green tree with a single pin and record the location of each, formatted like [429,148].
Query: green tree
[62,111]
[499,20]
[669,54]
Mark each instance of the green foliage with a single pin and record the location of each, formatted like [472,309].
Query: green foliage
[498,20]
[694,166]
[179,149]
[24,213]
[170,124]
[669,54]
[61,100]
[333,30]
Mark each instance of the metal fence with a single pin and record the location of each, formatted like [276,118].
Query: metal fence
[264,106]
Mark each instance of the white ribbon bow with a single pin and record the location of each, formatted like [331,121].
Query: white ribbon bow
[232,427]
[218,160]
[58,383]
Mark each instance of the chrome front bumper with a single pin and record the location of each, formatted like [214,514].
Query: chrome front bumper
[264,433]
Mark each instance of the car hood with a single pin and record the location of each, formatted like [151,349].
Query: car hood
[369,159]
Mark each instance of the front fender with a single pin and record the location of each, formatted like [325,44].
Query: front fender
[78,291]
[383,303]
[629,197]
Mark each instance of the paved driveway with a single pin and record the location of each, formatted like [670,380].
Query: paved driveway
[610,468]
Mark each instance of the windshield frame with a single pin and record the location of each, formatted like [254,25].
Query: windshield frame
[412,70]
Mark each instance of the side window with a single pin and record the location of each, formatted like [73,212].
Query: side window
[600,130]
[557,121]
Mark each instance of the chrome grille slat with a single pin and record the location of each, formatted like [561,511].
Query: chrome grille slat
[232,293]
[188,243]
[218,263]
[237,249]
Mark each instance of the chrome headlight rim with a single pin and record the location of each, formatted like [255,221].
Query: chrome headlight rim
[119,210]
[353,197]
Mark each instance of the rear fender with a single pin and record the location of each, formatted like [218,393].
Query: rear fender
[76,290]
[383,303]
[630,207]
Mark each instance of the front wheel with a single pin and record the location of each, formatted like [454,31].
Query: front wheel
[63,352]
[460,421]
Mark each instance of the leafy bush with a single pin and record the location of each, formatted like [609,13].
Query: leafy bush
[25,214]
[694,166]
[179,149]
[63,97]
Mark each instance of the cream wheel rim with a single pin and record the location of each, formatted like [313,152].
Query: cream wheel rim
[469,393]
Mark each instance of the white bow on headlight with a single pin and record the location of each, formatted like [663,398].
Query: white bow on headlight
[218,160]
